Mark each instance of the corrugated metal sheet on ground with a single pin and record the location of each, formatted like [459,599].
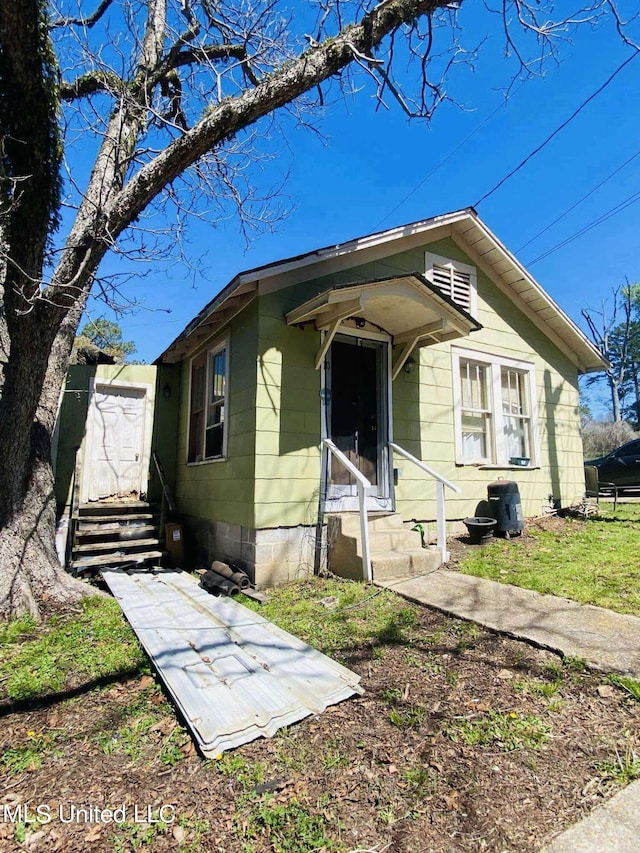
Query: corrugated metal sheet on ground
[234,675]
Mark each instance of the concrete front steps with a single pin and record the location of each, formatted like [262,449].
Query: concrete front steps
[115,533]
[396,551]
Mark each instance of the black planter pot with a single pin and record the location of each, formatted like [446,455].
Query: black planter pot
[480,529]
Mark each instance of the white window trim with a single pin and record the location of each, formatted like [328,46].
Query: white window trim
[495,363]
[440,260]
[210,350]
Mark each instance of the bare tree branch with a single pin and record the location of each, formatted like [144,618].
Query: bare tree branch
[189,119]
[83,22]
[601,328]
[91,84]
[623,26]
[222,122]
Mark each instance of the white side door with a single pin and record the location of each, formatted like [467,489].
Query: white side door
[117,442]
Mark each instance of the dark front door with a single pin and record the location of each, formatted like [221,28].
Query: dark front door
[358,417]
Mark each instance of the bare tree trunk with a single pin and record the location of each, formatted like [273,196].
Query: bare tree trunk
[615,401]
[36,344]
[37,322]
[30,574]
[635,372]
[29,568]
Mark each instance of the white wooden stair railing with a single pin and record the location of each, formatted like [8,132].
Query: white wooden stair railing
[441,484]
[363,487]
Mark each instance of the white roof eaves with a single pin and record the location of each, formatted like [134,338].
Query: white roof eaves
[584,354]
[307,259]
[588,358]
[203,314]
[358,244]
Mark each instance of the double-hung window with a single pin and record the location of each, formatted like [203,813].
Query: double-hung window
[475,411]
[515,413]
[495,412]
[208,405]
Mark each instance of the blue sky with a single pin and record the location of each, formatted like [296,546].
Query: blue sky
[369,173]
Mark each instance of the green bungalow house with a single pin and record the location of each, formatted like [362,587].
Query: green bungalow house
[320,406]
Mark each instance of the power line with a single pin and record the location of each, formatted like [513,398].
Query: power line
[551,136]
[632,199]
[579,202]
[442,162]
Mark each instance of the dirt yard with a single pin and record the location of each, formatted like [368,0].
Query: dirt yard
[462,741]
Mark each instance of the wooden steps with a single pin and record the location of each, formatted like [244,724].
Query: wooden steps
[109,546]
[115,519]
[115,533]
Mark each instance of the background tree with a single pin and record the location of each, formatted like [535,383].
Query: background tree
[613,338]
[630,388]
[106,336]
[601,437]
[615,330]
[111,120]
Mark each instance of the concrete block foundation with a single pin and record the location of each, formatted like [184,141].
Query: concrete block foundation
[270,556]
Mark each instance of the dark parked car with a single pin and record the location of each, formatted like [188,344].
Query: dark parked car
[621,466]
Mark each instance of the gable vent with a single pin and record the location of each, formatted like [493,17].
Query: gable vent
[455,279]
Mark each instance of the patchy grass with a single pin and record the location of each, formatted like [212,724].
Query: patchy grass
[29,755]
[292,826]
[622,770]
[461,734]
[538,688]
[247,774]
[629,684]
[148,722]
[64,653]
[352,615]
[403,714]
[594,561]
[507,731]
[135,836]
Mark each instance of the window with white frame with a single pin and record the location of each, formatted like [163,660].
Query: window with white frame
[515,413]
[459,281]
[208,405]
[475,411]
[495,413]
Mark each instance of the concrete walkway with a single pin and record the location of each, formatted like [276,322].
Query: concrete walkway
[614,827]
[607,641]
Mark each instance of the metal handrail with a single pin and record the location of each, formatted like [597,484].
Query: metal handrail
[441,484]
[74,507]
[167,501]
[363,486]
[166,492]
[425,468]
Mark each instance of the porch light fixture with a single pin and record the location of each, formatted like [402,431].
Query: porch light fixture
[166,390]
[410,365]
[360,322]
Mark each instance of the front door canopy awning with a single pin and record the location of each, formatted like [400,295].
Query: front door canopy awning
[409,308]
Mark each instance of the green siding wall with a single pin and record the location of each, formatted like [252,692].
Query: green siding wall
[165,428]
[71,426]
[223,490]
[287,416]
[271,477]
[506,332]
[288,405]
